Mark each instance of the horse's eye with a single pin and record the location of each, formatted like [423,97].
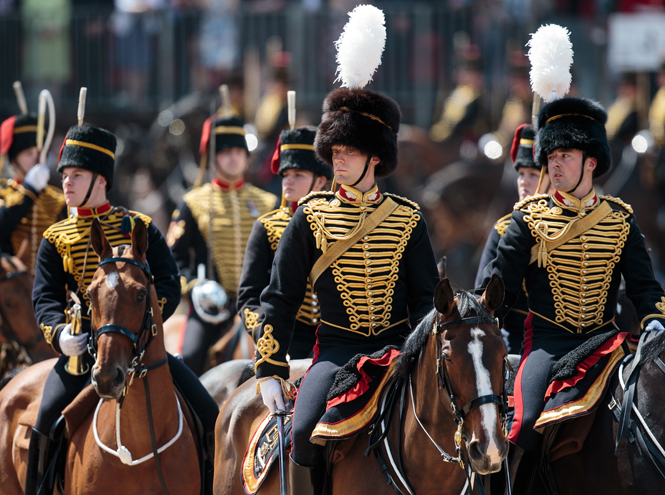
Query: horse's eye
[141,296]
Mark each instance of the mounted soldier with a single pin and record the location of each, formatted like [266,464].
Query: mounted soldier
[570,250]
[28,205]
[367,255]
[302,173]
[528,174]
[210,228]
[66,264]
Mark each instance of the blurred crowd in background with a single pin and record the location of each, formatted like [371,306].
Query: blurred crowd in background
[458,68]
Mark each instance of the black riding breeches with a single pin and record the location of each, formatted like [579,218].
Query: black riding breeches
[199,337]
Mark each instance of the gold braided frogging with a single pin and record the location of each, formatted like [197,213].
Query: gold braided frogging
[580,270]
[267,346]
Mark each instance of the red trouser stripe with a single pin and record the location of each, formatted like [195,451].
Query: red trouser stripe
[517,397]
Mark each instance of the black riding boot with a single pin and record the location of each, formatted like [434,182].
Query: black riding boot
[40,455]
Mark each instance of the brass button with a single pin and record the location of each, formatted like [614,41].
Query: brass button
[367,255]
[314,296]
[368,270]
[373,324]
[315,310]
[586,264]
[583,309]
[584,287]
[373,317]
[315,320]
[370,293]
[363,208]
[368,262]
[584,279]
[586,246]
[369,286]
[583,324]
[368,280]
[366,246]
[583,300]
[586,256]
[583,238]
[314,303]
[366,238]
[584,272]
[371,301]
[583,316]
[583,295]
[371,308]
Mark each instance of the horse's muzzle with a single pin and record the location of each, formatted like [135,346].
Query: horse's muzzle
[484,462]
[109,383]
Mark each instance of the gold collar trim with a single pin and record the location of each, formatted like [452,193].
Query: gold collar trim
[587,202]
[352,195]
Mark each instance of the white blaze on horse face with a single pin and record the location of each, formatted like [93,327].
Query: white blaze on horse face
[484,385]
[112,280]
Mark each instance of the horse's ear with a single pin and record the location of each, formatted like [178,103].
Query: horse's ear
[444,297]
[100,243]
[492,298]
[139,240]
[442,265]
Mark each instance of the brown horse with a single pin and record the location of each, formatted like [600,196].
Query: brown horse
[21,341]
[119,432]
[452,374]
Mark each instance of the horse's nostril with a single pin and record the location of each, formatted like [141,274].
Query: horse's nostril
[474,450]
[119,377]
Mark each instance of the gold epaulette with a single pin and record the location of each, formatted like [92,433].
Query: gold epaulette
[619,202]
[521,204]
[404,201]
[502,223]
[316,194]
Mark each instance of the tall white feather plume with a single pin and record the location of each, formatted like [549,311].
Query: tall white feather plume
[551,55]
[360,46]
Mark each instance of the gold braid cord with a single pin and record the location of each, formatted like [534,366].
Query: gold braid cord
[581,269]
[502,224]
[251,320]
[234,214]
[367,273]
[268,346]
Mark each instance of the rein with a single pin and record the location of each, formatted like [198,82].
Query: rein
[628,428]
[444,381]
[141,341]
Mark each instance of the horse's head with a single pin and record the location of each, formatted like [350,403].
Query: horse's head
[120,293]
[471,368]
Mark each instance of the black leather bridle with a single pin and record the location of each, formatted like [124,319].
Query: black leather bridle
[444,382]
[143,337]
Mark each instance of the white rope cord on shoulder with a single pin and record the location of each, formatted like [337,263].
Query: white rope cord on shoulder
[123,453]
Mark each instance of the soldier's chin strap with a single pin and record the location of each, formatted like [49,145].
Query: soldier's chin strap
[87,195]
[362,176]
[581,174]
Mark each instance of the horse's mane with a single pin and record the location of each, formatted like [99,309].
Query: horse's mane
[467,304]
[653,348]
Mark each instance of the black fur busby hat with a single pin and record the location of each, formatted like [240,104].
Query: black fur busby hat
[18,133]
[365,120]
[229,133]
[295,149]
[522,150]
[575,123]
[89,148]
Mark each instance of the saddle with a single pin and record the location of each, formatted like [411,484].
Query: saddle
[579,383]
[352,407]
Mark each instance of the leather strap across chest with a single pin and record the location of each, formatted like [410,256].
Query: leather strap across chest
[340,247]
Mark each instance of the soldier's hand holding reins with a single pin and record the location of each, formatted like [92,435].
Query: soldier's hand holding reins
[271,392]
[72,345]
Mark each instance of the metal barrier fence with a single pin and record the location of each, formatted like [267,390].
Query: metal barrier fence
[143,63]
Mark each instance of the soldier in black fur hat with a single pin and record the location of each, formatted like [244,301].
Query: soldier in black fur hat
[302,173]
[528,174]
[369,296]
[231,206]
[66,263]
[28,205]
[570,250]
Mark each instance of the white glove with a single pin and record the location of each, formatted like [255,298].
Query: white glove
[72,345]
[655,326]
[38,177]
[271,392]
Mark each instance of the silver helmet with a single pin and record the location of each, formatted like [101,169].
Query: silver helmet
[210,301]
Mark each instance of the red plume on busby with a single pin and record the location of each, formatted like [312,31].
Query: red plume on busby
[521,152]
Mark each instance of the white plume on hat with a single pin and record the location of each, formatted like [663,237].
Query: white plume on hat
[551,55]
[360,46]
